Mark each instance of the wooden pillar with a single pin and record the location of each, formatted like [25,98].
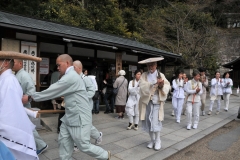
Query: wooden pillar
[118,57]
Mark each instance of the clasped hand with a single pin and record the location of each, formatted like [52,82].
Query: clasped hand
[160,82]
[197,90]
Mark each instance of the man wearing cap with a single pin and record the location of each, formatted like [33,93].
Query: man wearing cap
[16,136]
[154,88]
[28,88]
[77,121]
[204,81]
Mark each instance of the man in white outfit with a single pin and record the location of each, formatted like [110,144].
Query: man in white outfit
[154,88]
[16,136]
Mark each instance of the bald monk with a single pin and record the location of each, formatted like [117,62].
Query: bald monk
[28,88]
[77,121]
[90,87]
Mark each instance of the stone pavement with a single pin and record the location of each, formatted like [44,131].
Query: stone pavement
[131,145]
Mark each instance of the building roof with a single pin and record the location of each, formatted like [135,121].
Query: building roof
[40,26]
[235,64]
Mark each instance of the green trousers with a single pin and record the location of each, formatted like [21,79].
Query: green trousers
[79,135]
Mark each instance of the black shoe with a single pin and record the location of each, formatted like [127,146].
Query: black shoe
[42,150]
[97,112]
[111,111]
[238,116]
[106,112]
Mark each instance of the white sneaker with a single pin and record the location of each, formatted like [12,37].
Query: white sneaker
[209,112]
[217,112]
[75,149]
[150,145]
[189,126]
[226,109]
[99,140]
[178,121]
[203,113]
[157,145]
[172,113]
[195,126]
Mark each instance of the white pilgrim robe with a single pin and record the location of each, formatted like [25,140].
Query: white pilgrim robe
[133,98]
[16,130]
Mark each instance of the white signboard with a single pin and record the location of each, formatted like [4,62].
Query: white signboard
[30,66]
[44,66]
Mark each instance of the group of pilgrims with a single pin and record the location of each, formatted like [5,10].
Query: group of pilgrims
[147,94]
[189,96]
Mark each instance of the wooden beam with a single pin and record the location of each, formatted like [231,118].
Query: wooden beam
[50,111]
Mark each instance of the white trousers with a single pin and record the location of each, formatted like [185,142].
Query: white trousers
[218,98]
[177,106]
[134,111]
[136,119]
[226,97]
[193,109]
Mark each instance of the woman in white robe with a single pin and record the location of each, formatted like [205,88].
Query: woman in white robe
[178,94]
[217,85]
[227,89]
[132,108]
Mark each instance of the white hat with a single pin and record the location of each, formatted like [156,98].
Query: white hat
[121,73]
[150,60]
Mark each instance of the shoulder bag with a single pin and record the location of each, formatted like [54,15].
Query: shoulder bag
[115,90]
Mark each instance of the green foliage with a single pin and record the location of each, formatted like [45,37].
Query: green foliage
[181,28]
[66,13]
[24,7]
[178,26]
[106,16]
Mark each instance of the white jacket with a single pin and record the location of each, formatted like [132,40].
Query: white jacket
[190,88]
[216,87]
[227,88]
[178,88]
[133,98]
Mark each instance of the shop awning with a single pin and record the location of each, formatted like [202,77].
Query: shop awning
[77,34]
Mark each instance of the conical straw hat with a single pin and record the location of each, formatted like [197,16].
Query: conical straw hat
[150,60]
[17,55]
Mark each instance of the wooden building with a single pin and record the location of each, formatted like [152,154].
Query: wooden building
[46,39]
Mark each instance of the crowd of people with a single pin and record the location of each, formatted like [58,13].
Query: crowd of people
[192,95]
[142,99]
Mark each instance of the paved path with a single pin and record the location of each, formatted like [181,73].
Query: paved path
[131,145]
